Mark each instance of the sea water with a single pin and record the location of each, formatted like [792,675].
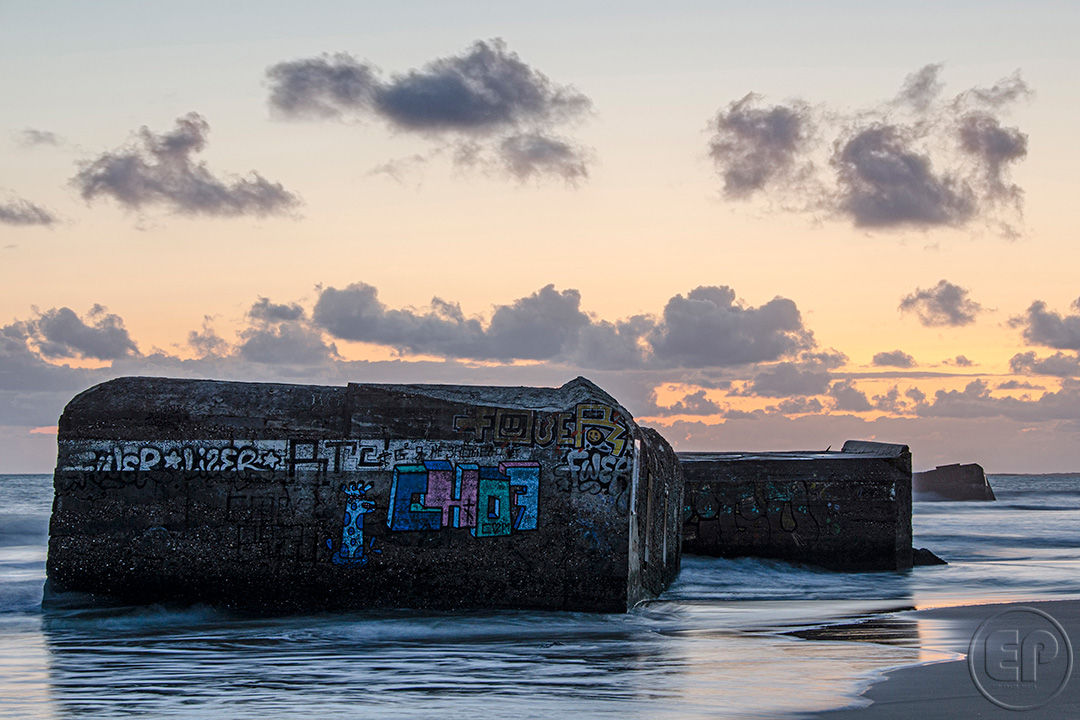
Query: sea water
[724,641]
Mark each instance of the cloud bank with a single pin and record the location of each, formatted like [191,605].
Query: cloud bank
[707,327]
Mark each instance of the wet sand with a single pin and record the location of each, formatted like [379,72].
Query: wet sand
[945,689]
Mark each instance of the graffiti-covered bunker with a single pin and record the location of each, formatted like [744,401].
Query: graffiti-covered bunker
[844,510]
[272,496]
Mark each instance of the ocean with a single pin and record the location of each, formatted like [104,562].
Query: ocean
[741,638]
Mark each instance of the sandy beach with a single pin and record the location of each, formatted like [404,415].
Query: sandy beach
[945,689]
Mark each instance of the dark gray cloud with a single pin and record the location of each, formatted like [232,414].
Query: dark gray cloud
[1017,385]
[848,398]
[753,147]
[891,402]
[918,161]
[1058,365]
[995,148]
[281,334]
[485,101]
[706,328]
[265,311]
[1003,93]
[885,181]
[921,88]
[532,155]
[31,137]
[24,370]
[328,86]
[798,406]
[787,379]
[695,403]
[206,342]
[975,401]
[894,358]
[959,361]
[1048,328]
[161,170]
[286,343]
[17,211]
[60,333]
[709,328]
[944,305]
[830,359]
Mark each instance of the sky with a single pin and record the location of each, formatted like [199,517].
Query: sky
[760,228]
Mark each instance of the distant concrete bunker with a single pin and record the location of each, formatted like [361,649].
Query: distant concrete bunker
[307,497]
[844,510]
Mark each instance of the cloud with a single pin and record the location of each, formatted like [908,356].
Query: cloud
[830,358]
[60,333]
[1017,385]
[280,334]
[706,328]
[884,181]
[265,311]
[753,147]
[943,305]
[161,170]
[1058,365]
[995,148]
[892,402]
[918,161]
[1050,329]
[709,328]
[959,361]
[921,88]
[485,102]
[531,155]
[798,406]
[894,358]
[17,211]
[975,401]
[787,379]
[206,342]
[848,397]
[30,137]
[693,404]
[1004,92]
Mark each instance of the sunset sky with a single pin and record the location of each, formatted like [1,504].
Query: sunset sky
[769,227]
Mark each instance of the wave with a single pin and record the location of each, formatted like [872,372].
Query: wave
[23,529]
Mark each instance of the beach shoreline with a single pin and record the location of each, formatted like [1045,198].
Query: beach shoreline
[943,687]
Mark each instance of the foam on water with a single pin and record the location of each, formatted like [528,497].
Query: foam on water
[715,644]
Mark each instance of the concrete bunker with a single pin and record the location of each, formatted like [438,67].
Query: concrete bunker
[299,497]
[843,510]
[953,482]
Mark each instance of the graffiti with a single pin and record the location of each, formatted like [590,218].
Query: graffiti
[592,423]
[491,501]
[352,550]
[735,514]
[268,456]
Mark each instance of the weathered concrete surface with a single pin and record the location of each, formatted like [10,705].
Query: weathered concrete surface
[291,497]
[846,510]
[953,482]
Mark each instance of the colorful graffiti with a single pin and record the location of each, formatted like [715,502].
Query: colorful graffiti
[492,501]
[352,550]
